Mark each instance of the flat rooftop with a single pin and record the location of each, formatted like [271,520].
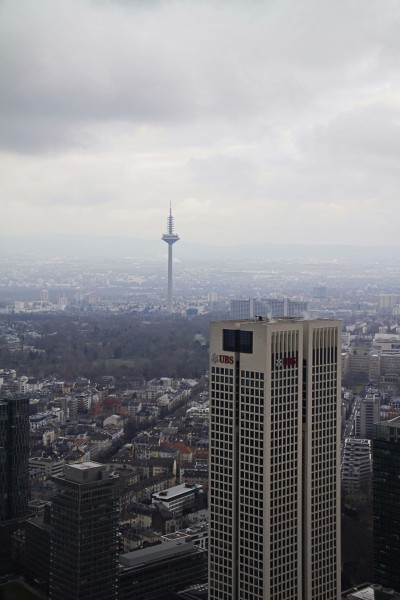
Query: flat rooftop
[154,553]
[176,491]
[85,465]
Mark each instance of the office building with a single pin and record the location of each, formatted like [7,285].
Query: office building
[148,574]
[274,497]
[179,498]
[14,479]
[356,467]
[367,415]
[386,503]
[83,546]
[372,591]
[37,549]
[14,452]
[320,292]
[267,307]
[387,303]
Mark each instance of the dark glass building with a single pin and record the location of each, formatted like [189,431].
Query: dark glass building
[386,499]
[83,541]
[151,573]
[37,550]
[14,452]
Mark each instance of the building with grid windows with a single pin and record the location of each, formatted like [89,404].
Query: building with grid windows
[274,460]
[356,467]
[14,452]
[386,503]
[267,307]
[83,538]
[14,476]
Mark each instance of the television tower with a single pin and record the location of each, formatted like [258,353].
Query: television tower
[170,237]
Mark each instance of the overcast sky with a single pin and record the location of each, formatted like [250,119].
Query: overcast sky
[260,120]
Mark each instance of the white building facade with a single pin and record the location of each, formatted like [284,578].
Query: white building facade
[274,460]
[356,466]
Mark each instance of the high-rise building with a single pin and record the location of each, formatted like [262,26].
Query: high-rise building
[14,452]
[274,460]
[170,238]
[83,541]
[267,307]
[14,479]
[367,415]
[356,467]
[386,503]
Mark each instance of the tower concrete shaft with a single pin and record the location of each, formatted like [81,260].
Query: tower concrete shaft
[170,238]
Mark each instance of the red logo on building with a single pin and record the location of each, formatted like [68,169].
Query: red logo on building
[289,361]
[286,361]
[227,360]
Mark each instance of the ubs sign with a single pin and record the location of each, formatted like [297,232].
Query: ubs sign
[285,361]
[222,358]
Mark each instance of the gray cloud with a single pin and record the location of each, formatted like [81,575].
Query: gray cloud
[69,65]
[284,109]
[225,174]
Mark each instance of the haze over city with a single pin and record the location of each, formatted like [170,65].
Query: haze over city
[217,418]
[261,121]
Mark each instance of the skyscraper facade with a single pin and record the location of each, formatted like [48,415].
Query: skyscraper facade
[14,453]
[274,460]
[267,307]
[356,467]
[386,503]
[367,415]
[83,539]
[14,480]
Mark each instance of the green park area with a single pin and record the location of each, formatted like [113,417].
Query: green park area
[119,362]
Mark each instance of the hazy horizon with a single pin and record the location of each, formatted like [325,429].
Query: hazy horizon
[91,246]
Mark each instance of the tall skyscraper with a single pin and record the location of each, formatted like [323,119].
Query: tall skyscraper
[267,307]
[367,415]
[274,460]
[14,453]
[170,238]
[83,540]
[386,503]
[356,467]
[14,481]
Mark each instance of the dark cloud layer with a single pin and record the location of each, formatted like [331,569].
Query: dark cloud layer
[289,109]
[65,65]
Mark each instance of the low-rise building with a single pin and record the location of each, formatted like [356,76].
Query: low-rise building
[50,465]
[179,498]
[149,573]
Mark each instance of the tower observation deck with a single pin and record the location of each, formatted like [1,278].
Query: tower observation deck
[170,238]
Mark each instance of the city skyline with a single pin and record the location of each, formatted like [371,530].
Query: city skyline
[278,119]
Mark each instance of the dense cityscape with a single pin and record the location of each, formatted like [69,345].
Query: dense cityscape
[199,300]
[107,452]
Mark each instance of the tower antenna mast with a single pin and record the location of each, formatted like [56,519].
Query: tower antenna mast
[170,238]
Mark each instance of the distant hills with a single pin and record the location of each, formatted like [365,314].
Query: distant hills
[122,247]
